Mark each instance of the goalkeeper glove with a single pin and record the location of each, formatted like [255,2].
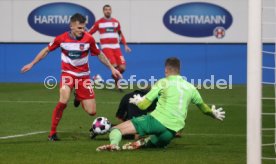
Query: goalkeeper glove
[218,113]
[135,99]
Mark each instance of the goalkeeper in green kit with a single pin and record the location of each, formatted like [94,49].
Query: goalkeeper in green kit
[174,96]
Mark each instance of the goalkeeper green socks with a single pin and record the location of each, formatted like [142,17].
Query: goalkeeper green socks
[115,137]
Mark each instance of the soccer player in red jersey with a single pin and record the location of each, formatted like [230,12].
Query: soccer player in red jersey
[75,46]
[110,36]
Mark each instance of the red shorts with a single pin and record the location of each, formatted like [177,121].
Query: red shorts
[83,86]
[115,56]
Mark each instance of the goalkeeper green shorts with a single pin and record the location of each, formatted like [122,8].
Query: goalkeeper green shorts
[146,125]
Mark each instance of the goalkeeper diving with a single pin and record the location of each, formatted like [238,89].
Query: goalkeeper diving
[174,96]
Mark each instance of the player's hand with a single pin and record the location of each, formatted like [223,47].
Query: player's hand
[116,73]
[218,113]
[26,68]
[127,49]
[135,99]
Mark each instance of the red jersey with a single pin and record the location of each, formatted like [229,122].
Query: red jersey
[74,53]
[109,30]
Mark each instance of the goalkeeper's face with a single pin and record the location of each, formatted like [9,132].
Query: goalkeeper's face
[166,72]
[171,71]
[107,12]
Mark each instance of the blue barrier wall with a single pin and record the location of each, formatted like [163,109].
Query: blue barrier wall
[199,61]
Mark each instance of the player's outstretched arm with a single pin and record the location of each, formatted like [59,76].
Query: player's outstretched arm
[213,112]
[106,62]
[38,57]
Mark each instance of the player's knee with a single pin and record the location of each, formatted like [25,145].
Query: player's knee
[64,94]
[92,113]
[165,139]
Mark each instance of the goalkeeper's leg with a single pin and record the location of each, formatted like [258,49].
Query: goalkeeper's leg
[153,141]
[161,140]
[148,125]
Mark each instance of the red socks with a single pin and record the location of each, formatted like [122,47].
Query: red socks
[57,114]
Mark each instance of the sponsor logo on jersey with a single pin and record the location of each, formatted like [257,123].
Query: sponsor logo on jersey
[53,19]
[109,29]
[198,19]
[74,54]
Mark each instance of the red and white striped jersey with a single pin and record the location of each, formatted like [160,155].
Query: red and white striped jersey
[109,30]
[74,53]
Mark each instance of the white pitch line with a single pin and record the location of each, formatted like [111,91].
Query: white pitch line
[22,135]
[184,134]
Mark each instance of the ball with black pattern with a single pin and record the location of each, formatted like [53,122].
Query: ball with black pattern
[101,125]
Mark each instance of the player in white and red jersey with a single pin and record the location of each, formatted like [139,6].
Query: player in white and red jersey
[110,37]
[75,46]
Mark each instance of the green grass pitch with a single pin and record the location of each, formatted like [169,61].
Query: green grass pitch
[27,108]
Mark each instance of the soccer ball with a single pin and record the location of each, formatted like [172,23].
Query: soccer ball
[101,125]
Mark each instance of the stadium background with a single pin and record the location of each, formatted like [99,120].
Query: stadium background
[150,40]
